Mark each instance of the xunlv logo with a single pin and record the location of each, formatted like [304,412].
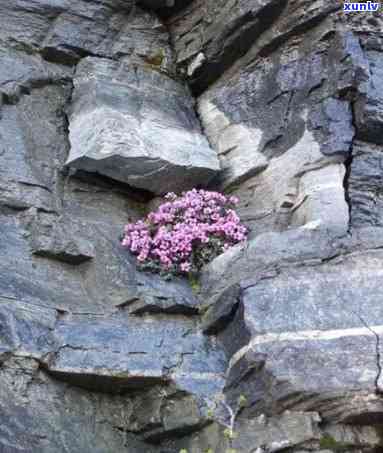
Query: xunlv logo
[368,6]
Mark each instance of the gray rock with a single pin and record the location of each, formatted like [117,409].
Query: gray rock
[120,354]
[26,328]
[154,295]
[223,31]
[312,343]
[99,357]
[288,430]
[221,310]
[364,185]
[350,436]
[283,130]
[107,283]
[66,32]
[260,434]
[262,257]
[33,147]
[39,414]
[368,107]
[144,132]
[160,414]
[21,72]
[59,238]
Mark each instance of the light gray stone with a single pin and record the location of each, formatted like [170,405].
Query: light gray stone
[39,414]
[99,357]
[283,131]
[139,128]
[68,31]
[224,30]
[312,343]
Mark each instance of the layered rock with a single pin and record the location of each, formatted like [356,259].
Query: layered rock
[309,343]
[98,357]
[68,31]
[56,280]
[282,127]
[139,128]
[209,36]
[287,309]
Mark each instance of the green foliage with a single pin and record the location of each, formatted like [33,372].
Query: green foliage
[194,283]
[242,400]
[155,60]
[329,443]
[230,434]
[231,189]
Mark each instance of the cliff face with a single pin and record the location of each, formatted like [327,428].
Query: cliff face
[105,104]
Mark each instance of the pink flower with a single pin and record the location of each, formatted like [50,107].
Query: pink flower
[176,233]
[185,267]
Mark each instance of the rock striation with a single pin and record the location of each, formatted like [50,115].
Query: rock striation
[107,104]
[137,126]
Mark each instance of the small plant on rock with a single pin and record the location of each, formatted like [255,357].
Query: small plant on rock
[185,232]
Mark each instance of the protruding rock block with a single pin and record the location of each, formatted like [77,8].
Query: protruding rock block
[282,130]
[60,239]
[138,126]
[313,343]
[211,35]
[117,355]
[369,106]
[68,31]
[365,182]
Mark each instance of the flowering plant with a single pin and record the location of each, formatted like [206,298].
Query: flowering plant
[185,232]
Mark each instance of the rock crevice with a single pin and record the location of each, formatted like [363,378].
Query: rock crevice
[106,104]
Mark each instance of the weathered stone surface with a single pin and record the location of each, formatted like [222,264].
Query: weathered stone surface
[210,36]
[221,310]
[308,342]
[68,31]
[369,106]
[118,354]
[110,351]
[283,128]
[364,185]
[61,218]
[39,414]
[262,257]
[213,34]
[296,431]
[32,134]
[98,357]
[140,129]
[109,281]
[59,238]
[156,296]
[20,72]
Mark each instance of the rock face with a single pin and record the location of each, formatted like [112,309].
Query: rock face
[281,124]
[280,347]
[140,128]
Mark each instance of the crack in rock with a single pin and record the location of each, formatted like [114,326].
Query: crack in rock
[379,391]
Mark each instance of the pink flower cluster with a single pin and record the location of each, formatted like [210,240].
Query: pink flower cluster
[175,236]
